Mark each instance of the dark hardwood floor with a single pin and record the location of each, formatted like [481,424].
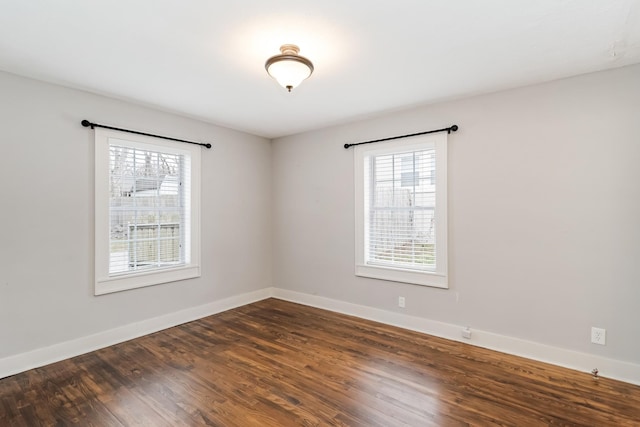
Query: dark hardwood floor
[275,363]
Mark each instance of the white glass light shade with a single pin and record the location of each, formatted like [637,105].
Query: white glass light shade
[289,73]
[289,69]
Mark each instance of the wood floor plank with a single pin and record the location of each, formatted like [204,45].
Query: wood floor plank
[275,363]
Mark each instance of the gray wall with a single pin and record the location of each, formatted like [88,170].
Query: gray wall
[46,250]
[544,213]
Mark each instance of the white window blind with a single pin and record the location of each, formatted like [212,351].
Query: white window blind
[401,198]
[148,220]
[400,210]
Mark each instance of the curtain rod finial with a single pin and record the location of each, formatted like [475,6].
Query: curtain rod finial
[454,128]
[87,123]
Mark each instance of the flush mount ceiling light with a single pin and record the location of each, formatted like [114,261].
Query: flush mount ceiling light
[289,68]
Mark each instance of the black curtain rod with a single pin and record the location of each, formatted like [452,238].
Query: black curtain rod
[87,123]
[448,130]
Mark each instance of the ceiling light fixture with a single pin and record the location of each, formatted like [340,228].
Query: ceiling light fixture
[289,68]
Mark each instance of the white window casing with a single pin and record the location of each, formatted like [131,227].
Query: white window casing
[147,211]
[401,210]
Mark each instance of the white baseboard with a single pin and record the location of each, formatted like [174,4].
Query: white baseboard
[43,356]
[610,368]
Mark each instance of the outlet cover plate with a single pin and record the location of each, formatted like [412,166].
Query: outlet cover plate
[599,336]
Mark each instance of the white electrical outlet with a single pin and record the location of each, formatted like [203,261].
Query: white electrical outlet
[401,302]
[598,336]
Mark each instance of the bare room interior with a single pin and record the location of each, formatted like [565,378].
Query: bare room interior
[286,213]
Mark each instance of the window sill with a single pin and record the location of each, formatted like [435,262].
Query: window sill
[109,285]
[421,278]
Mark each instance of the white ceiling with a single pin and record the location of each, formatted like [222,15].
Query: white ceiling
[205,58]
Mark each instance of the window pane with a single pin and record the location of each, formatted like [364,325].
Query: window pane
[400,219]
[146,209]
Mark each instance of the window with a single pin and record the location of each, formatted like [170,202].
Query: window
[401,210]
[147,211]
